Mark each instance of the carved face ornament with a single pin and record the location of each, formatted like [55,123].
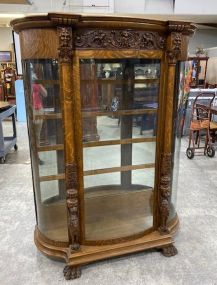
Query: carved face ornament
[65,37]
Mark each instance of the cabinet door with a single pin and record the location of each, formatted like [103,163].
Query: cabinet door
[119,104]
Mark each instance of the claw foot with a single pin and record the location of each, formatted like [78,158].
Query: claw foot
[71,272]
[169,250]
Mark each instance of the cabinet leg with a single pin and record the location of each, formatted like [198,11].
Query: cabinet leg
[169,250]
[71,272]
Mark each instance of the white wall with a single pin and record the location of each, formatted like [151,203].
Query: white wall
[143,6]
[196,7]
[6,39]
[129,6]
[158,6]
[204,39]
[212,52]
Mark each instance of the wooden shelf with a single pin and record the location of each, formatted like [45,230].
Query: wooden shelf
[119,169]
[50,147]
[86,114]
[120,81]
[52,177]
[116,142]
[50,116]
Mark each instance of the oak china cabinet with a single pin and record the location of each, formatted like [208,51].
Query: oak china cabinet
[100,97]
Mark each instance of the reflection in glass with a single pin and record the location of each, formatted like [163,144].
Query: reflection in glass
[143,153]
[46,146]
[102,179]
[52,163]
[178,130]
[109,127]
[50,132]
[52,220]
[93,157]
[111,155]
[100,91]
[119,101]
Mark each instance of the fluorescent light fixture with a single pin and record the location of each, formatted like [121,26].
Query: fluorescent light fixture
[12,15]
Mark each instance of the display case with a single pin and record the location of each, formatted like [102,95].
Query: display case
[100,105]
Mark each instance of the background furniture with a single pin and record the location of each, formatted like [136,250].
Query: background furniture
[192,95]
[8,76]
[199,69]
[105,188]
[7,142]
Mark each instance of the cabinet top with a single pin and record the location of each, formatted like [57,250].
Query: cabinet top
[106,22]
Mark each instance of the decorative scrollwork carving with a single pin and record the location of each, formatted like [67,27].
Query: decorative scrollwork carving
[165,192]
[72,205]
[184,28]
[120,39]
[65,44]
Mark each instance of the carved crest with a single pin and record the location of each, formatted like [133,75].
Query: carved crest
[65,44]
[118,39]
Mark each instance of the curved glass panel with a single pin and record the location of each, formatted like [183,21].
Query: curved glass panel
[119,101]
[181,92]
[44,117]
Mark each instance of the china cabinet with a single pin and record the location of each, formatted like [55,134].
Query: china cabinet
[100,102]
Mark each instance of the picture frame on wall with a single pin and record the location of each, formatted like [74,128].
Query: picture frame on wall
[5,56]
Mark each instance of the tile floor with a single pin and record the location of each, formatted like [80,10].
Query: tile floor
[196,263]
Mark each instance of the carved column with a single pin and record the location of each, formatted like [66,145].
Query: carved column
[173,51]
[65,59]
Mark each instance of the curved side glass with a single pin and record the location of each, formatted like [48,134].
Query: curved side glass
[179,115]
[119,104]
[44,116]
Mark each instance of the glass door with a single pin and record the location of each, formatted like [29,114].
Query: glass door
[119,105]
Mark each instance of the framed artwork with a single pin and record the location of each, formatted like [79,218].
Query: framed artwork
[5,56]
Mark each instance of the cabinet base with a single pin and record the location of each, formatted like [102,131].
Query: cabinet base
[90,253]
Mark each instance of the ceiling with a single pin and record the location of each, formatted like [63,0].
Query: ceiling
[20,8]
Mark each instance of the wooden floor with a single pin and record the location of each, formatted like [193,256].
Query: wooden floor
[109,213]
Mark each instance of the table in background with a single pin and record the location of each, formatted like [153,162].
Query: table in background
[6,143]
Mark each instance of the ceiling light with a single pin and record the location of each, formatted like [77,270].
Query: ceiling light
[12,15]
